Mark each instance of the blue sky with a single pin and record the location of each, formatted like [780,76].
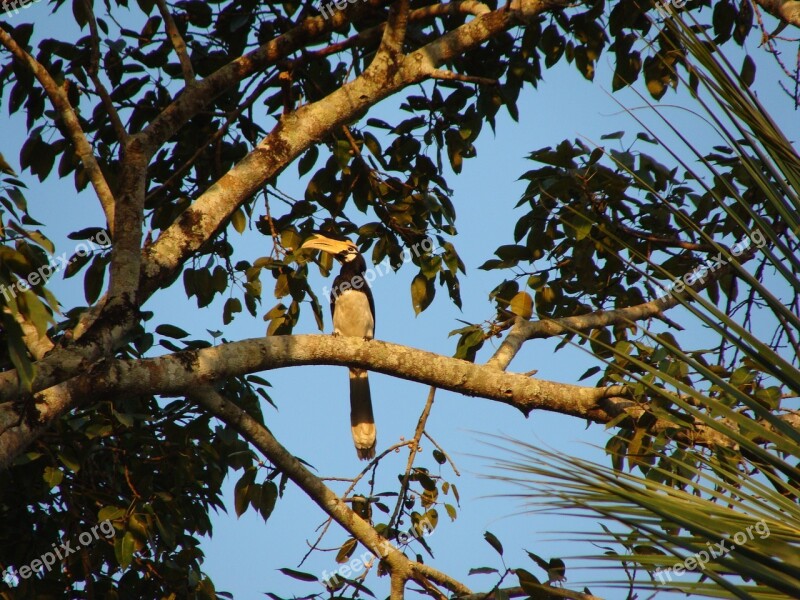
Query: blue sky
[312,421]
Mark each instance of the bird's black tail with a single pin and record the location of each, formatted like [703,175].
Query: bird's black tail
[362,422]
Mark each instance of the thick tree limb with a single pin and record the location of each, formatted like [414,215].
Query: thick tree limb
[178,373]
[549,590]
[394,34]
[72,127]
[785,10]
[126,254]
[118,318]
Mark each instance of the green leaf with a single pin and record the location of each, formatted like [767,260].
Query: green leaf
[5,167]
[53,476]
[94,278]
[748,72]
[125,548]
[493,542]
[232,306]
[239,220]
[451,511]
[307,161]
[346,551]
[171,331]
[242,491]
[522,305]
[269,496]
[482,571]
[69,460]
[530,584]
[18,353]
[422,292]
[298,574]
[110,513]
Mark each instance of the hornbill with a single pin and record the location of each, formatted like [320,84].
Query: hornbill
[353,312]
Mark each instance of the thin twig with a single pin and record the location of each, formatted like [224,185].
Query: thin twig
[450,76]
[346,493]
[446,455]
[94,68]
[412,453]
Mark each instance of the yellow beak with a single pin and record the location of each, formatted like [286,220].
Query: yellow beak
[320,242]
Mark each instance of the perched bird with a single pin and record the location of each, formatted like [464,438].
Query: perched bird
[353,312]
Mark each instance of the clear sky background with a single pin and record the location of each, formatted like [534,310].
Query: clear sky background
[243,555]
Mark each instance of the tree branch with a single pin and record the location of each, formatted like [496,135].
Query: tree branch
[394,34]
[177,374]
[523,330]
[58,98]
[413,448]
[193,100]
[549,590]
[182,372]
[785,10]
[94,67]
[400,567]
[177,42]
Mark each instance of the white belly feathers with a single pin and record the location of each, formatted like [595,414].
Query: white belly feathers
[352,316]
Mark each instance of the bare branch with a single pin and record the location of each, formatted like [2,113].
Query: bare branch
[523,331]
[100,88]
[58,98]
[177,42]
[450,76]
[180,373]
[126,252]
[400,567]
[398,588]
[412,454]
